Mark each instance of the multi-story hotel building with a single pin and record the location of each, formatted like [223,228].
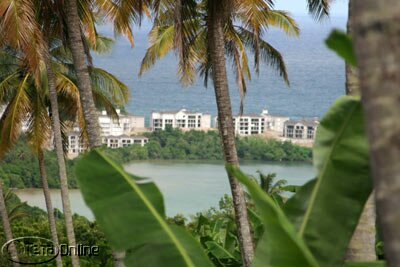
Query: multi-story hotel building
[183,119]
[301,129]
[126,124]
[114,133]
[256,124]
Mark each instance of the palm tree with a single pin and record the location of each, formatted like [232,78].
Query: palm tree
[202,33]
[122,14]
[27,102]
[242,33]
[7,228]
[362,244]
[377,44]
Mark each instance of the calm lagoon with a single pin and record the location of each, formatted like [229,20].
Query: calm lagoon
[187,186]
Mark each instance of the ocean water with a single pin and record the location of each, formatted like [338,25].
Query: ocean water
[316,75]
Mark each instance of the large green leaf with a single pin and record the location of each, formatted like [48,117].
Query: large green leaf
[280,245]
[131,213]
[342,44]
[343,184]
[296,206]
[218,251]
[366,264]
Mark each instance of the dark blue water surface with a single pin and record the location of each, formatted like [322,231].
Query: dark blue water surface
[316,75]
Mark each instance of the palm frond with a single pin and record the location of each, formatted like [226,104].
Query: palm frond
[268,53]
[319,9]
[14,115]
[38,123]
[19,29]
[122,13]
[110,86]
[103,44]
[161,40]
[283,20]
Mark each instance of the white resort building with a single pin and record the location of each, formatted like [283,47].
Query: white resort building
[124,141]
[183,119]
[257,124]
[126,124]
[301,129]
[114,133]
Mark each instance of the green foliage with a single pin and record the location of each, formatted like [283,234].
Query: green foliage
[342,44]
[215,229]
[19,168]
[366,264]
[321,217]
[342,160]
[199,145]
[34,223]
[131,214]
[280,245]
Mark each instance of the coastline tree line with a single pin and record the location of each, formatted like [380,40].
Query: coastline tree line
[48,78]
[19,168]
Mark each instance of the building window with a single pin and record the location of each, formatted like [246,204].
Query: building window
[168,122]
[157,123]
[289,131]
[127,126]
[299,132]
[191,121]
[181,123]
[310,133]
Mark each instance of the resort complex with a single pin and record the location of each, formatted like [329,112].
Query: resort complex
[128,129]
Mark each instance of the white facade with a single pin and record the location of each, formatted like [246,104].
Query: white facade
[126,125]
[75,146]
[301,129]
[182,119]
[114,133]
[124,141]
[256,124]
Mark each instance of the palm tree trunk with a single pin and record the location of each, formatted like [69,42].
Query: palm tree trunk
[377,41]
[352,82]
[49,205]
[82,73]
[60,157]
[362,244]
[7,227]
[80,64]
[225,125]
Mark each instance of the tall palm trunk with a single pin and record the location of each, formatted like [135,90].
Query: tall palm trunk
[225,125]
[60,156]
[7,227]
[49,205]
[82,73]
[362,244]
[377,40]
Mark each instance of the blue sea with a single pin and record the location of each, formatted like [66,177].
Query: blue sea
[316,75]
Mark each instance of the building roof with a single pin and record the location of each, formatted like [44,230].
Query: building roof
[180,110]
[255,115]
[125,136]
[305,122]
